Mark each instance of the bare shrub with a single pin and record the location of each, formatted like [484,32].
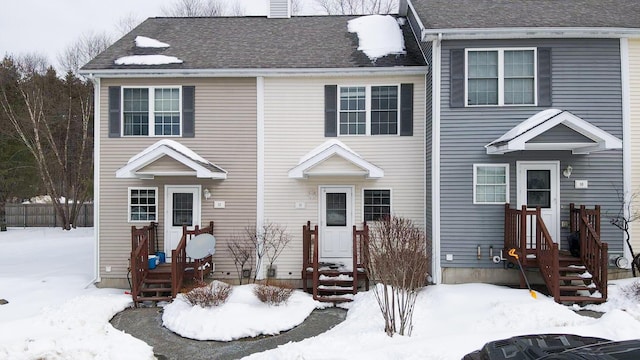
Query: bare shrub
[273,294]
[211,295]
[268,240]
[632,291]
[398,259]
[242,250]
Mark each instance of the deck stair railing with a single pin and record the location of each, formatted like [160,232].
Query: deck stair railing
[593,252]
[567,277]
[330,283]
[141,244]
[180,261]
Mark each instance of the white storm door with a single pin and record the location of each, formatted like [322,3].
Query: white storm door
[336,223]
[538,185]
[182,207]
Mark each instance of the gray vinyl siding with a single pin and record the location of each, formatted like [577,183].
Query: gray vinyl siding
[585,81]
[225,134]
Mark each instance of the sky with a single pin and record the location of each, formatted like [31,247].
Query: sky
[49,26]
[54,312]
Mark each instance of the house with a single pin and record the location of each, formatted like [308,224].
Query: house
[529,107]
[252,120]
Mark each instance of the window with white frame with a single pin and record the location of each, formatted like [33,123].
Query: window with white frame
[153,111]
[143,204]
[490,183]
[368,110]
[501,77]
[377,204]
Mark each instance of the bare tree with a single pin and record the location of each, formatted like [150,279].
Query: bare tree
[237,9]
[626,215]
[194,8]
[357,7]
[296,7]
[52,118]
[85,48]
[242,252]
[398,259]
[268,240]
[127,23]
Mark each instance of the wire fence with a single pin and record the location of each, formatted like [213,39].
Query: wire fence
[43,215]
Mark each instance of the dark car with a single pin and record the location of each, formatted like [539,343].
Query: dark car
[557,347]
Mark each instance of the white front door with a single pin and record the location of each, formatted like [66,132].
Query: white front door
[539,185]
[336,223]
[182,207]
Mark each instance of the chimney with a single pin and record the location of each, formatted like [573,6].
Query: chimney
[279,9]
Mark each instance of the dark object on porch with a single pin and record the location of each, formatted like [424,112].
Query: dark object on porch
[165,281]
[544,346]
[3,302]
[574,243]
[569,278]
[333,282]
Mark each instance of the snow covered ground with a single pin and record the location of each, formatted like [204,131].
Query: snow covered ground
[54,312]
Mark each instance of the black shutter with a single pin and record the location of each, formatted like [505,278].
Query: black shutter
[456,73]
[114,111]
[188,111]
[406,109]
[544,77]
[331,110]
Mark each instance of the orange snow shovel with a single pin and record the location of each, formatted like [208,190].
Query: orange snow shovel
[512,252]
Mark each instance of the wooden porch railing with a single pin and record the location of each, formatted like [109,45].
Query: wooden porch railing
[360,251]
[548,257]
[516,233]
[179,257]
[309,244]
[141,240]
[593,252]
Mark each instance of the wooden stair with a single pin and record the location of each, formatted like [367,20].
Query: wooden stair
[575,282]
[156,286]
[334,286]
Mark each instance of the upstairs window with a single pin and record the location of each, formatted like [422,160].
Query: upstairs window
[368,110]
[151,111]
[501,77]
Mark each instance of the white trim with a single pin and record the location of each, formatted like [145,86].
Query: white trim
[517,138]
[329,149]
[163,148]
[506,184]
[500,75]
[528,33]
[435,160]
[151,111]
[368,109]
[390,190]
[260,178]
[274,72]
[521,189]
[157,205]
[96,178]
[626,136]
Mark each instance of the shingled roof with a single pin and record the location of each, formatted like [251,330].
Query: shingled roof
[237,43]
[485,14]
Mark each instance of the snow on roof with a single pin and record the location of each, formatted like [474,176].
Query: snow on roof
[324,146]
[175,146]
[147,60]
[147,42]
[378,35]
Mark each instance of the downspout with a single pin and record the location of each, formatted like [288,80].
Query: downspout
[436,63]
[626,140]
[96,179]
[260,164]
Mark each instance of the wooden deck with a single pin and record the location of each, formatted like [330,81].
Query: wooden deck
[331,282]
[569,278]
[166,280]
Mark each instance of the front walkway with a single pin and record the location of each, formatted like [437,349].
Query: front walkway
[146,325]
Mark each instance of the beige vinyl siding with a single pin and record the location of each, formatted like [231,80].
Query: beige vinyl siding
[634,84]
[225,134]
[294,125]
